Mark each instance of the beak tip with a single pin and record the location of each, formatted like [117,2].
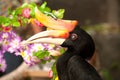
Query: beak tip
[23,42]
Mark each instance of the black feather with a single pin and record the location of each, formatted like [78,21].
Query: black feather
[72,65]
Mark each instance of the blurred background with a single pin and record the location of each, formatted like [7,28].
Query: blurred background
[101,19]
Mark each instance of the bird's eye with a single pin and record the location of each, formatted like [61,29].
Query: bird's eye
[74,36]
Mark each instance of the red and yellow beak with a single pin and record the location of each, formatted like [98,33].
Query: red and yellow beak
[52,23]
[59,29]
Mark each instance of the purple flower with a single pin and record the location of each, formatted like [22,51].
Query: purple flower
[1,54]
[27,54]
[14,46]
[37,47]
[3,65]
[4,40]
[10,42]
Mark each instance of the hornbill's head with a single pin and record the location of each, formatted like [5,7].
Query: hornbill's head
[80,42]
[65,33]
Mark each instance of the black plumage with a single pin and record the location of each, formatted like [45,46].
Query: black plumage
[72,65]
[12,61]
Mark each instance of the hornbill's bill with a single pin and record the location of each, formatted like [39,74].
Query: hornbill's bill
[72,65]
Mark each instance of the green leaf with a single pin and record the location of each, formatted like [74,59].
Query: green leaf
[24,21]
[47,9]
[9,11]
[59,13]
[33,4]
[43,8]
[1,19]
[43,61]
[6,22]
[16,24]
[41,54]
[43,5]
[62,50]
[106,74]
[32,12]
[24,5]
[18,11]
[55,74]
[0,28]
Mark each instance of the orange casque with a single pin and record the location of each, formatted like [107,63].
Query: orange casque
[63,26]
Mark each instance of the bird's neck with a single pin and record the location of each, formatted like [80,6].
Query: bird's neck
[65,57]
[62,65]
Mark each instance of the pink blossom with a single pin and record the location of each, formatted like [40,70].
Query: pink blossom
[38,23]
[50,74]
[26,13]
[3,65]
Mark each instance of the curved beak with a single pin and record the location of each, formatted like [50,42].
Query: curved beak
[51,36]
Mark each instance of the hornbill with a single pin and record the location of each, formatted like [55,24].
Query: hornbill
[72,65]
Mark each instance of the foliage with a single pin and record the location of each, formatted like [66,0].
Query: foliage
[10,41]
[106,74]
[17,17]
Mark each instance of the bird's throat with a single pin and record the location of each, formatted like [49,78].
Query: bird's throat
[62,65]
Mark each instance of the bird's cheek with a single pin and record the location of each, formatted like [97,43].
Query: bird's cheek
[66,43]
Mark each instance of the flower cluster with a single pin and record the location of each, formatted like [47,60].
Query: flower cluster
[11,42]
[34,53]
[31,53]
